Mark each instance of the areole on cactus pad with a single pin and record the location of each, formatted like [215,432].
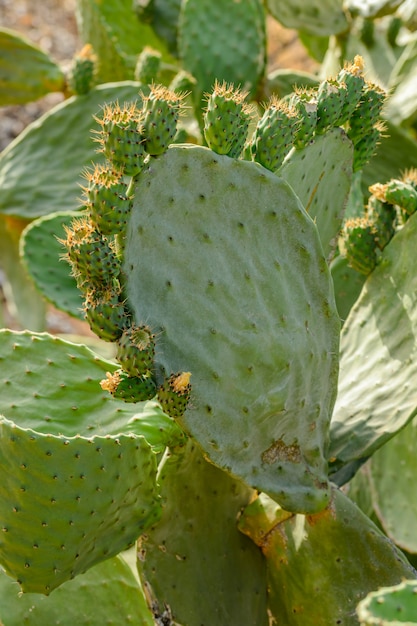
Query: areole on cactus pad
[227,269]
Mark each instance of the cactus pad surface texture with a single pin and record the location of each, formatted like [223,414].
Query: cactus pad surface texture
[227,268]
[83,483]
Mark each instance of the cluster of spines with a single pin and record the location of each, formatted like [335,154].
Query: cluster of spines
[129,137]
[389,206]
[347,101]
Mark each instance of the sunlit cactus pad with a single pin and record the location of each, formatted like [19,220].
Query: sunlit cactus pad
[77,483]
[227,268]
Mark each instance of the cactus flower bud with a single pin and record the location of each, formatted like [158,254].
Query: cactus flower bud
[81,76]
[136,350]
[161,111]
[274,134]
[174,394]
[128,388]
[358,244]
[226,119]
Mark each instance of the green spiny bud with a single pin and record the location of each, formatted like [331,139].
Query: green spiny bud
[174,394]
[226,119]
[182,83]
[274,134]
[352,77]
[129,388]
[106,200]
[365,148]
[148,66]
[91,256]
[367,112]
[331,96]
[410,177]
[403,194]
[358,244]
[121,137]
[81,76]
[383,217]
[105,314]
[136,350]
[161,112]
[305,103]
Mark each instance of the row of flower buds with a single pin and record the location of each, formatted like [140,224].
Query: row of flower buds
[389,206]
[129,137]
[347,100]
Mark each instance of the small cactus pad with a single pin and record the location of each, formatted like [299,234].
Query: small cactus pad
[316,552]
[108,593]
[390,606]
[241,297]
[378,345]
[196,545]
[70,502]
[358,244]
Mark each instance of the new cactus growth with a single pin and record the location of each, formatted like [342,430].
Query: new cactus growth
[358,244]
[81,76]
[226,120]
[174,394]
[121,137]
[136,350]
[161,111]
[122,386]
[274,134]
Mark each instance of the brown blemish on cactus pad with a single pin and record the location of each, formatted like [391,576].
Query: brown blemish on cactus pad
[279,451]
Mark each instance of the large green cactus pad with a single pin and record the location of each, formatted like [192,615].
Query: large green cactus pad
[70,502]
[73,458]
[196,545]
[318,17]
[42,256]
[376,397]
[226,266]
[107,594]
[321,176]
[223,40]
[313,578]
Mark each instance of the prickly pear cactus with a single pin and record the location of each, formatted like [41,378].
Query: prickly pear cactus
[242,299]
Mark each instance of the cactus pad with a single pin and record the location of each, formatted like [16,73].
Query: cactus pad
[108,593]
[390,606]
[378,346]
[211,45]
[196,545]
[241,298]
[70,502]
[312,577]
[41,252]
